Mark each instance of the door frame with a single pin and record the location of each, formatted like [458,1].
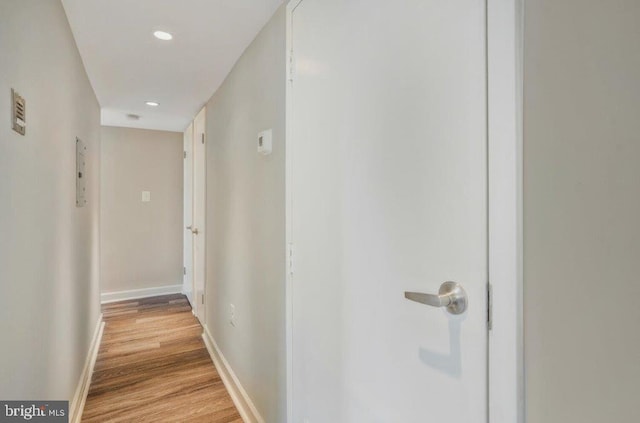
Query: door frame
[187,289]
[200,300]
[504,49]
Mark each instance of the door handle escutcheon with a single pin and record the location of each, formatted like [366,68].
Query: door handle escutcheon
[451,295]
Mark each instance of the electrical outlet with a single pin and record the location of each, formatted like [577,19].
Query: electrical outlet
[232,315]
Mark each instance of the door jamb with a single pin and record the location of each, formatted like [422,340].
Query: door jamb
[200,303]
[291,6]
[505,188]
[187,290]
[505,201]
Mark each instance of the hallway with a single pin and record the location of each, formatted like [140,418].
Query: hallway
[319,211]
[153,366]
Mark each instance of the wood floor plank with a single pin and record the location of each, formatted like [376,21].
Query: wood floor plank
[153,366]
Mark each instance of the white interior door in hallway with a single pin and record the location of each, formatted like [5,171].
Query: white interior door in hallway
[187,286]
[194,214]
[199,192]
[387,191]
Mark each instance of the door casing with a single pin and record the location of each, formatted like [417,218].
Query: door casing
[187,288]
[505,169]
[199,215]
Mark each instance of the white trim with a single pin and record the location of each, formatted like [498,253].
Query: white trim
[241,399]
[189,296]
[199,304]
[79,398]
[110,297]
[187,237]
[504,104]
[291,6]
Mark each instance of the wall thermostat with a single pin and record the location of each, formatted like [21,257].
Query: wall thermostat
[265,142]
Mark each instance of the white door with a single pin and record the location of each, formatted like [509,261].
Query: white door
[199,178]
[187,284]
[388,193]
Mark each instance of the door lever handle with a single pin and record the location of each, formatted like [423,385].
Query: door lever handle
[451,295]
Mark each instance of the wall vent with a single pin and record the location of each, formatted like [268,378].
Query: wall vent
[19,116]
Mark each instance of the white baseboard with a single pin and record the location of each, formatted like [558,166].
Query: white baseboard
[245,406]
[188,294]
[77,403]
[111,297]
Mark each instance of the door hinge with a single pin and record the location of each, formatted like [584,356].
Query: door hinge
[184,270]
[185,154]
[202,298]
[290,258]
[203,137]
[291,67]
[489,306]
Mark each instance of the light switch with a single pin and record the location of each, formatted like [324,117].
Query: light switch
[146,196]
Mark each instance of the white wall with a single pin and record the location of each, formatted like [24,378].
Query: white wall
[582,205]
[141,242]
[246,220]
[49,295]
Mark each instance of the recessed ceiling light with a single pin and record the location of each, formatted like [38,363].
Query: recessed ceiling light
[164,36]
[152,103]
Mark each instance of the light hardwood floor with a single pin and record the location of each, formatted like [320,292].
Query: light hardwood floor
[154,367]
